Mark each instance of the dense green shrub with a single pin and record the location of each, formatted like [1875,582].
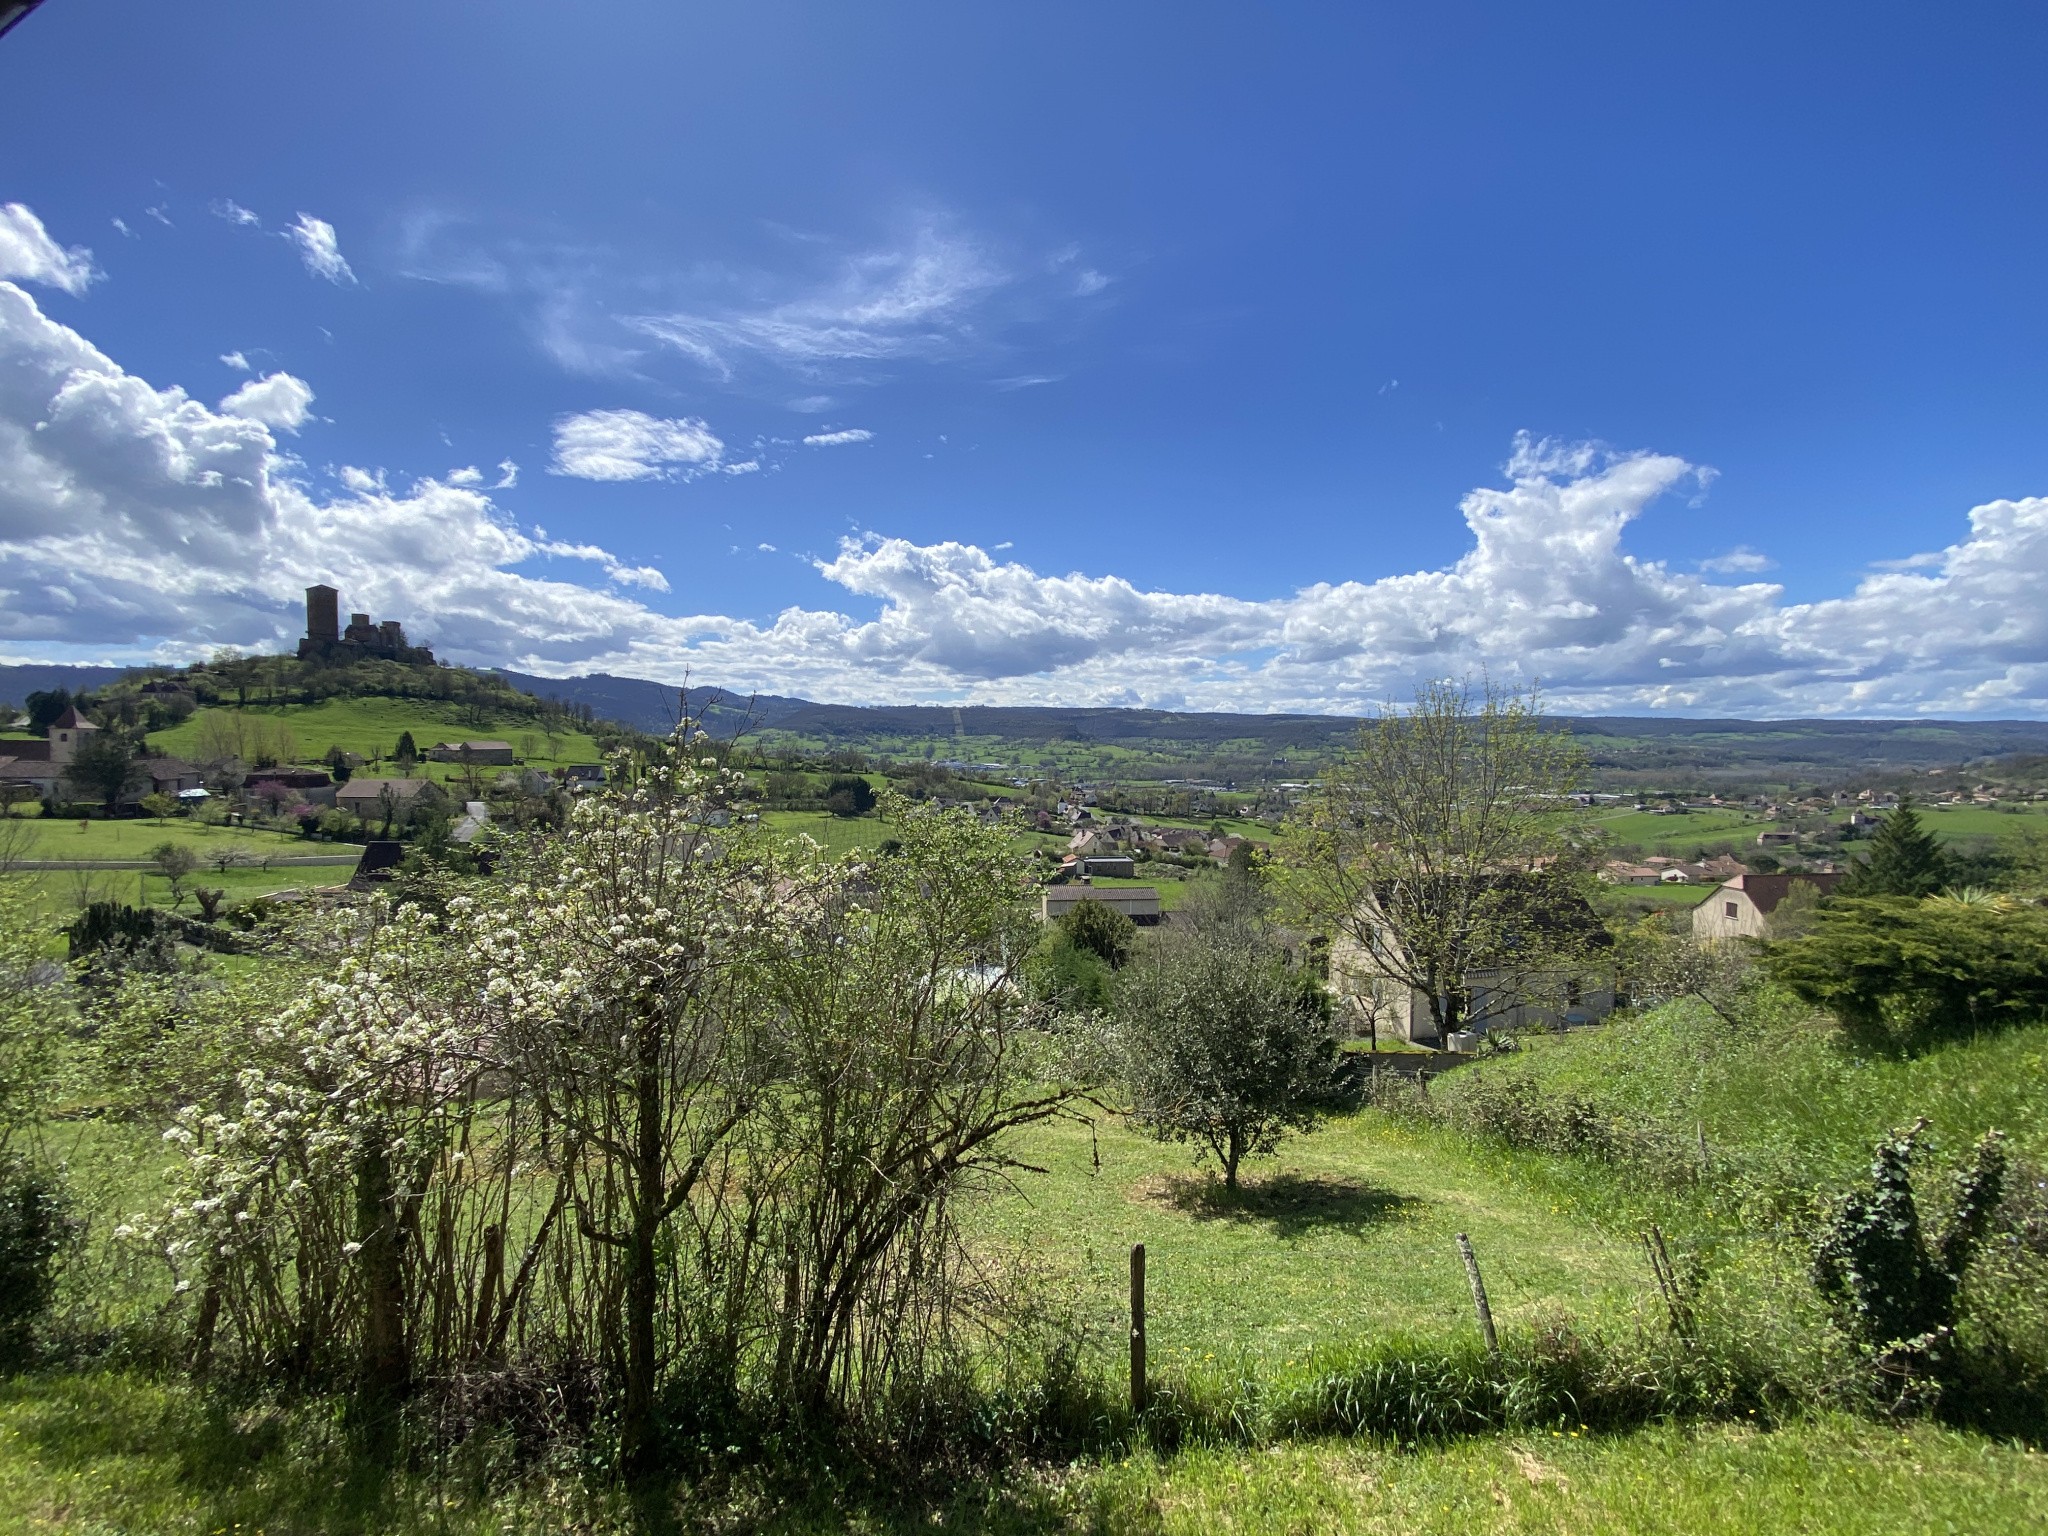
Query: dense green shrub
[1224,1046]
[34,1221]
[1900,973]
[1101,930]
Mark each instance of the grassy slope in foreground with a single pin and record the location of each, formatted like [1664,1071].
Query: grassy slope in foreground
[1346,1234]
[114,1454]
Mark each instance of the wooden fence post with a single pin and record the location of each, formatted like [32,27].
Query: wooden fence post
[1479,1295]
[1137,1328]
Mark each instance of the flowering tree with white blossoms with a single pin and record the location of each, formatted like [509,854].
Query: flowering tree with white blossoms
[665,1097]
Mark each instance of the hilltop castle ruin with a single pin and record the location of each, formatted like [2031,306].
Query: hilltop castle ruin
[326,640]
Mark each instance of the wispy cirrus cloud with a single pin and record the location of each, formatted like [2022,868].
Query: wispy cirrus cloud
[840,438]
[833,312]
[1741,559]
[920,299]
[320,249]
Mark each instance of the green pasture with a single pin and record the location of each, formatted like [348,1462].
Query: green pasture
[58,838]
[1680,832]
[370,727]
[835,834]
[1950,822]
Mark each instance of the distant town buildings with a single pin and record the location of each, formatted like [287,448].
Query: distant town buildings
[327,641]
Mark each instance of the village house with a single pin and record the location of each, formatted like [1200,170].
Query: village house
[1140,903]
[1566,980]
[1621,872]
[1741,908]
[485,754]
[34,770]
[374,801]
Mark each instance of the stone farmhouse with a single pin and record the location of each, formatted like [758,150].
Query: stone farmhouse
[34,770]
[373,800]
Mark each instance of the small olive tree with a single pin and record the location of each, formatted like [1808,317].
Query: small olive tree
[1223,1045]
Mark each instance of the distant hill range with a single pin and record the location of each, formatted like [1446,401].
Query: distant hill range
[1627,751]
[1636,750]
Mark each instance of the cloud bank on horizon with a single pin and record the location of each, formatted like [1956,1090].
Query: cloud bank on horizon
[139,524]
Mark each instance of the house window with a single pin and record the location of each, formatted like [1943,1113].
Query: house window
[1727,909]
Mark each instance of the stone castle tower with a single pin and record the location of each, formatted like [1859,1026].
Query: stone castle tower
[326,640]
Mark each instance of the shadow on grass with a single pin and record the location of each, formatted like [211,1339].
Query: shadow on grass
[127,1453]
[1289,1204]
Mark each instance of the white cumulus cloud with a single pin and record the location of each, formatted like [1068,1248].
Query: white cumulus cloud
[320,249]
[276,400]
[28,254]
[137,523]
[632,445]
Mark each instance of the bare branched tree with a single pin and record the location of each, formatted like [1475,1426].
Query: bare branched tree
[1444,844]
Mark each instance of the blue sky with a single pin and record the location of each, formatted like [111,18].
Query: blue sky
[1200,355]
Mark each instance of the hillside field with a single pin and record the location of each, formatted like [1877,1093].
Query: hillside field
[50,838]
[370,727]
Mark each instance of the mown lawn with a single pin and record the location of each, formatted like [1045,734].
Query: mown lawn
[1347,1233]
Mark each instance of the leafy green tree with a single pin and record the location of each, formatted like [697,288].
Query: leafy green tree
[405,754]
[1901,973]
[1101,930]
[1066,975]
[848,794]
[1223,1046]
[1904,859]
[45,707]
[160,805]
[105,768]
